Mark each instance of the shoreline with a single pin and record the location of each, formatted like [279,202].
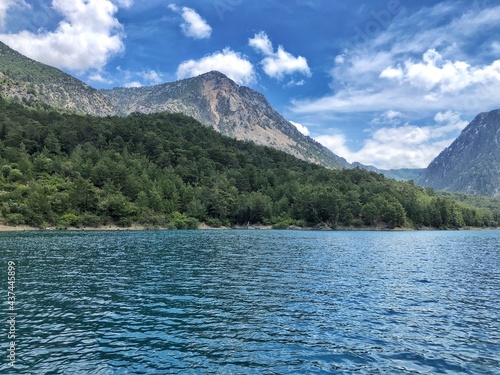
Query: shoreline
[203,226]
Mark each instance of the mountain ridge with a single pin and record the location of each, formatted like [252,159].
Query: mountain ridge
[471,164]
[401,174]
[27,80]
[236,111]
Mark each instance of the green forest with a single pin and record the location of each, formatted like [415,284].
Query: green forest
[167,170]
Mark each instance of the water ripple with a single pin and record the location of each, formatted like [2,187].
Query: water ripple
[255,302]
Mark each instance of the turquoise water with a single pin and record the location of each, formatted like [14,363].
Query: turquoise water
[253,302]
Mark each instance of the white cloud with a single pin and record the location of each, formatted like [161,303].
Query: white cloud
[86,38]
[283,63]
[338,144]
[261,43]
[438,76]
[280,63]
[392,73]
[448,122]
[151,76]
[388,118]
[132,84]
[124,3]
[301,128]
[98,77]
[340,59]
[293,82]
[137,78]
[127,78]
[405,146]
[5,5]
[232,64]
[436,59]
[495,47]
[193,26]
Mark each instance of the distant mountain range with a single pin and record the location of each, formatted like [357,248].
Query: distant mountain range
[471,164]
[403,174]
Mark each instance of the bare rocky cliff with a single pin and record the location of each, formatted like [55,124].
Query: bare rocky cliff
[235,111]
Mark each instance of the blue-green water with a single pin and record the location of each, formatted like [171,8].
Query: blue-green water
[253,302]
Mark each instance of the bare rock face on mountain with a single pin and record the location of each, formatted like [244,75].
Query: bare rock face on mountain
[27,80]
[236,111]
[472,163]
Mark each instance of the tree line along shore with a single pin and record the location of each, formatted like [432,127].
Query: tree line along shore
[168,171]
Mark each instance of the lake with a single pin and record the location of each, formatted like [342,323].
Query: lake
[252,302]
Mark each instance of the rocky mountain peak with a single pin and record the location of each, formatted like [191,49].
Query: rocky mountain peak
[471,164]
[215,75]
[236,111]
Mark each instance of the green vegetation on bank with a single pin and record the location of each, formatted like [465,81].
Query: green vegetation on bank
[491,203]
[168,170]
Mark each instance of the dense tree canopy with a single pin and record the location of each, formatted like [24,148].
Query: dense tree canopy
[168,170]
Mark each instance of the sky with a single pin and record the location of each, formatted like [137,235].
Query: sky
[388,83]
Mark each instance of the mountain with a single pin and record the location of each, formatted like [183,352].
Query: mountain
[25,80]
[403,174]
[235,111]
[472,163]
[212,98]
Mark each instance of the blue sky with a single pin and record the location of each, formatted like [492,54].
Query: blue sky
[384,82]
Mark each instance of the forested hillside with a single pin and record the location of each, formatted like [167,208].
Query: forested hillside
[168,170]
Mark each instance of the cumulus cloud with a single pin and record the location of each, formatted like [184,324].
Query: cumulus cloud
[232,64]
[301,128]
[193,26]
[280,63]
[261,43]
[392,73]
[85,39]
[405,146]
[337,142]
[438,76]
